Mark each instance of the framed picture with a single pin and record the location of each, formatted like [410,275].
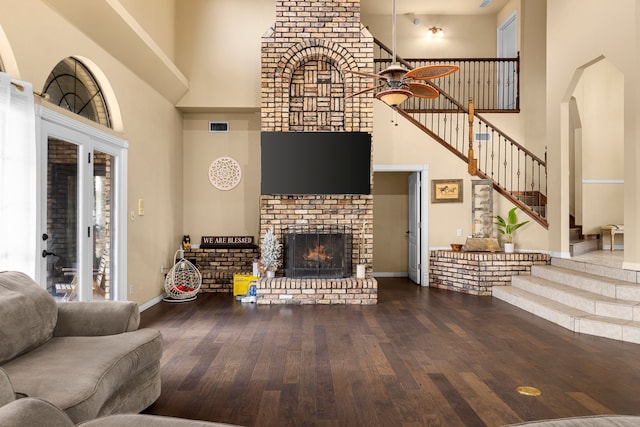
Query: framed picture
[446,191]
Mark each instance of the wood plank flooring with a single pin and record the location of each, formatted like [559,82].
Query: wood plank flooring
[420,357]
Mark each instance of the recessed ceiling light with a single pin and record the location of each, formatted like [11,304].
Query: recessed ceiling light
[485,3]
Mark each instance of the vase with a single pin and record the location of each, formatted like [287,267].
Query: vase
[360,271]
[509,248]
[271,274]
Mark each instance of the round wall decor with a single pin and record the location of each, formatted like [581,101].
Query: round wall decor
[225,173]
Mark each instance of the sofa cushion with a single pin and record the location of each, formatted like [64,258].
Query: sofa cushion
[28,315]
[79,374]
[137,420]
[587,421]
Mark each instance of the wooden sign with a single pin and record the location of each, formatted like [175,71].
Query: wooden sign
[226,242]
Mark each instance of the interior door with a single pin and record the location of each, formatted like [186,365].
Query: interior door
[507,74]
[414,227]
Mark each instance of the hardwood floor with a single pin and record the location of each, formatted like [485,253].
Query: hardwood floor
[421,357]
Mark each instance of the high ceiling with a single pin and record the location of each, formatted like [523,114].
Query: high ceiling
[431,7]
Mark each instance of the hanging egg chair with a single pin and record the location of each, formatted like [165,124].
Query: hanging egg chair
[183,281]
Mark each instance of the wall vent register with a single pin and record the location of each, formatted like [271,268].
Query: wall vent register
[215,127]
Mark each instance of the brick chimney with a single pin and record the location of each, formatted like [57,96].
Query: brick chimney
[303,89]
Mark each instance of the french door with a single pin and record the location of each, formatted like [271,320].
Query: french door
[82,224]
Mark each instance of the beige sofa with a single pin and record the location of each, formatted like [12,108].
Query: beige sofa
[87,358]
[587,421]
[30,412]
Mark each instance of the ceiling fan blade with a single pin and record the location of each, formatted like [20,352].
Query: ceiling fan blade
[432,72]
[365,74]
[369,89]
[421,90]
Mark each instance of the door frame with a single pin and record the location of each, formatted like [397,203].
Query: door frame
[423,228]
[59,125]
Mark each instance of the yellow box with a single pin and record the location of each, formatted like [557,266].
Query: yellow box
[241,283]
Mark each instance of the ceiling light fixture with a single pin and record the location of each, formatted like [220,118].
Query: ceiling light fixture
[436,31]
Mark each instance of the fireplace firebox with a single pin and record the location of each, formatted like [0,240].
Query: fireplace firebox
[317,252]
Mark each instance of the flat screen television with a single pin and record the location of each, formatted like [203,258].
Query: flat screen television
[316,163]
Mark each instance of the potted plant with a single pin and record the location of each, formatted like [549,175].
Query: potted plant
[508,227]
[270,251]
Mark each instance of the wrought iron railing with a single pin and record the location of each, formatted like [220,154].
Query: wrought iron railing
[517,173]
[493,83]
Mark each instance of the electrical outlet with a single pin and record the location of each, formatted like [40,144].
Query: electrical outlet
[459,232]
[131,289]
[161,268]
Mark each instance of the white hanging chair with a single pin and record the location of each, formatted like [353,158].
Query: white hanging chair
[183,281]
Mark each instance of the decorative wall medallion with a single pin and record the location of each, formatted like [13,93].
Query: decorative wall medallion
[225,173]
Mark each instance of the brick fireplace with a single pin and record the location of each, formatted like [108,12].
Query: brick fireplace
[303,90]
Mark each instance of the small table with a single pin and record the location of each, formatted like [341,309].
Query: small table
[612,230]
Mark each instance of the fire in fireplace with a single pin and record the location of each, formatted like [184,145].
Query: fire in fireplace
[317,252]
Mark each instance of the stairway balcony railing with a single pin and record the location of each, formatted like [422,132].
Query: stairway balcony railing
[493,83]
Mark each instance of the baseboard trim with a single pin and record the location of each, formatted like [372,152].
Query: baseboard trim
[151,303]
[390,274]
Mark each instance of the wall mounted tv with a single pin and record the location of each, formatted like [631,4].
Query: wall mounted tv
[316,163]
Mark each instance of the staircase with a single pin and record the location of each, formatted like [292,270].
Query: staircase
[584,298]
[580,244]
[517,173]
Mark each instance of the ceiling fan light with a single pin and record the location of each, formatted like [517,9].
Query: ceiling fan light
[393,97]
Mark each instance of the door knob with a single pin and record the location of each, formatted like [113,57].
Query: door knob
[46,253]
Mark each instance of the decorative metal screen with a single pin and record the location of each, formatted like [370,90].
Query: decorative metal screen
[317,252]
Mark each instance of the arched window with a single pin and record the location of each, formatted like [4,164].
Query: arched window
[72,86]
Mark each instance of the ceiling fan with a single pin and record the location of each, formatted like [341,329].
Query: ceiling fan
[398,83]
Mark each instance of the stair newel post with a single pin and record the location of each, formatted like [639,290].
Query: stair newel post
[473,163]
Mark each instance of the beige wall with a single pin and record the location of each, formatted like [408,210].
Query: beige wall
[158,18]
[218,49]
[599,99]
[465,36]
[207,210]
[152,126]
[571,44]
[390,222]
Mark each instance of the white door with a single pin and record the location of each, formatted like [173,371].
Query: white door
[82,223]
[507,74]
[414,227]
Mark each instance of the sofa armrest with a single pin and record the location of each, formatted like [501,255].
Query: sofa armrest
[33,412]
[7,394]
[96,318]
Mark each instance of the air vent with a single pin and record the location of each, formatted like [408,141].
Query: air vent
[216,127]
[485,3]
[482,137]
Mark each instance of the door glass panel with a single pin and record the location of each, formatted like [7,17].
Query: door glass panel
[102,230]
[62,219]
